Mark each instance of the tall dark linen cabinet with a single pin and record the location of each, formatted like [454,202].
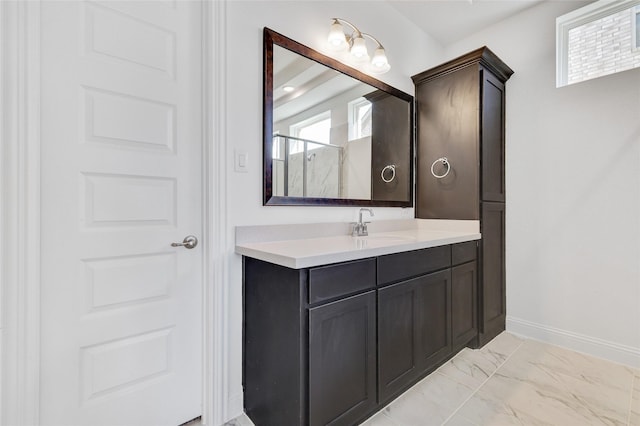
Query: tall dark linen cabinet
[390,123]
[461,116]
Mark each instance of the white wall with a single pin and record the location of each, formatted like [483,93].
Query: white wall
[307,22]
[573,193]
[357,168]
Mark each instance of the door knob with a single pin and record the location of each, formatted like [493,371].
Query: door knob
[189,242]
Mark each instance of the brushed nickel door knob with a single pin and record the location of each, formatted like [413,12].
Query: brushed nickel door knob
[189,242]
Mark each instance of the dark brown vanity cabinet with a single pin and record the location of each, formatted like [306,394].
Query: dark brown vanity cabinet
[413,330]
[398,334]
[464,295]
[333,344]
[413,316]
[342,360]
[435,319]
[461,117]
[310,353]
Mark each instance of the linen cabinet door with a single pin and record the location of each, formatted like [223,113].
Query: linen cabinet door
[342,360]
[447,120]
[397,338]
[434,301]
[464,318]
[492,281]
[492,138]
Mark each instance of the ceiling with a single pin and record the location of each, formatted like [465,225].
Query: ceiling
[311,84]
[451,20]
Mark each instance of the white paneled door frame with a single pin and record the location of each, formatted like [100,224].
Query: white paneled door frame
[20,211]
[20,215]
[214,172]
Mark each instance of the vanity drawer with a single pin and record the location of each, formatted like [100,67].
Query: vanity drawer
[329,282]
[399,266]
[463,252]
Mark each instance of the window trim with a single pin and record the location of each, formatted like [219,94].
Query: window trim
[352,107]
[576,18]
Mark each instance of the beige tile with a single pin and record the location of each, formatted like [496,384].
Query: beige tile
[430,402]
[484,409]
[407,409]
[443,395]
[597,401]
[379,420]
[507,401]
[580,366]
[597,388]
[458,420]
[634,412]
[470,367]
[502,346]
[413,408]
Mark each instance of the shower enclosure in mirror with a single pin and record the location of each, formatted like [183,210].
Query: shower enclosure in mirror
[332,135]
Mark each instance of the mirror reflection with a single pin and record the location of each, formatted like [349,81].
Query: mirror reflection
[334,139]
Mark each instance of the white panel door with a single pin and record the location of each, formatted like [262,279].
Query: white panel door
[121,180]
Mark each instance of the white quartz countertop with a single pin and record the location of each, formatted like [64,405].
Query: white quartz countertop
[307,245]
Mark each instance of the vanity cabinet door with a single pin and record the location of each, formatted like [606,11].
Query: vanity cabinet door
[434,318]
[342,360]
[492,272]
[464,322]
[398,354]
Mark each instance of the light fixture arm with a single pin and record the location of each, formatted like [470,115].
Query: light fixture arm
[374,39]
[355,29]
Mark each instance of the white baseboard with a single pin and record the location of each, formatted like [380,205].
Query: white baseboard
[235,406]
[599,348]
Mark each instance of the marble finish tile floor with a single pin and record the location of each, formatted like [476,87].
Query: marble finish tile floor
[514,381]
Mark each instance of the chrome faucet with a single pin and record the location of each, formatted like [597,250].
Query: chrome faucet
[360,227]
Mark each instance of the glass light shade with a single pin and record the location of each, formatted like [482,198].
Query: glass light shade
[380,63]
[359,48]
[337,39]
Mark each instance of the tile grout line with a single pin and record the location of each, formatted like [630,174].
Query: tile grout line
[390,419]
[633,385]
[436,371]
[481,385]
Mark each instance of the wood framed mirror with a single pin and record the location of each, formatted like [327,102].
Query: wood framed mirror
[332,134]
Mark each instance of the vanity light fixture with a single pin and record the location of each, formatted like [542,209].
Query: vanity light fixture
[355,42]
